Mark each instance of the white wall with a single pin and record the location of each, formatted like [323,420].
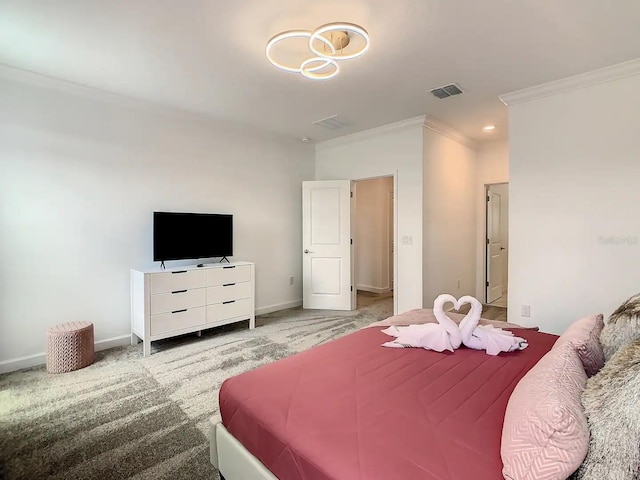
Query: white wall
[449,217]
[574,203]
[492,167]
[80,176]
[373,222]
[391,150]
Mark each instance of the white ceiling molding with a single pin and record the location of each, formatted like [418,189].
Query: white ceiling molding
[38,80]
[402,124]
[450,132]
[602,75]
[72,88]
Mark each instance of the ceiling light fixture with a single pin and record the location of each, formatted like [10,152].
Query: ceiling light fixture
[327,43]
[489,128]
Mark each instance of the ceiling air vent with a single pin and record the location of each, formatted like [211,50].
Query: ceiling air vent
[446,91]
[332,123]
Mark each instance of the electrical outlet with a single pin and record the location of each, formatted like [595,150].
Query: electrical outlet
[526,310]
[291,280]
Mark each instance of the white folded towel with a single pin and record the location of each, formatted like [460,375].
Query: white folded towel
[430,336]
[447,335]
[441,336]
[486,337]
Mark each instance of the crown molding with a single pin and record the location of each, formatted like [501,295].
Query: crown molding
[35,79]
[372,132]
[449,132]
[39,80]
[595,77]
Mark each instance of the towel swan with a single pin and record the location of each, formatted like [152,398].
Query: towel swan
[441,336]
[486,337]
[455,336]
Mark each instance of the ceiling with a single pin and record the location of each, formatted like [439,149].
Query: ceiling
[207,56]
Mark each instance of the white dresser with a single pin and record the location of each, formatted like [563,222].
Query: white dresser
[166,303]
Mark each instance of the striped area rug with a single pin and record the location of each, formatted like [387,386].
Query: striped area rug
[130,417]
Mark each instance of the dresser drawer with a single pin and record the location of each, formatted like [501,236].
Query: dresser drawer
[231,274]
[178,300]
[232,309]
[169,322]
[229,291]
[178,280]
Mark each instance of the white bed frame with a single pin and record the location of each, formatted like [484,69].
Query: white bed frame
[230,457]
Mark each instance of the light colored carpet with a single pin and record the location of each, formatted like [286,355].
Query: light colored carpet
[130,417]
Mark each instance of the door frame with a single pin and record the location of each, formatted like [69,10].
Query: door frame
[394,175]
[485,278]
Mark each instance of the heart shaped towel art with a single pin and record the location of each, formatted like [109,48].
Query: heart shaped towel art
[448,335]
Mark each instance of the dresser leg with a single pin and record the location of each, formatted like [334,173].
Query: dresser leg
[199,333]
[252,322]
[146,347]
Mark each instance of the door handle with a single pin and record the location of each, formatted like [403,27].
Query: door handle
[502,248]
[307,251]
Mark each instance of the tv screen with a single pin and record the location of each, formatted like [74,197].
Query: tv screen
[179,236]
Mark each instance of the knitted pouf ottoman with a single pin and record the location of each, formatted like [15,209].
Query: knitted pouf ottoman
[69,347]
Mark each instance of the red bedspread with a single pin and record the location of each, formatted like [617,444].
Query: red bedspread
[353,410]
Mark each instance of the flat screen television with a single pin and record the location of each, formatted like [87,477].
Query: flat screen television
[180,236]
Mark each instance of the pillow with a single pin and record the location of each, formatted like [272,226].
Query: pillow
[584,335]
[545,434]
[622,327]
[610,402]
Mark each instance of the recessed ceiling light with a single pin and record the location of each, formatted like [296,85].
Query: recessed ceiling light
[489,128]
[305,139]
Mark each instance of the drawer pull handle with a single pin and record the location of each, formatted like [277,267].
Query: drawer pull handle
[232,266]
[179,311]
[230,301]
[228,284]
[179,291]
[179,271]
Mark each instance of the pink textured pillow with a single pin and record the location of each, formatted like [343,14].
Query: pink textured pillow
[545,435]
[584,335]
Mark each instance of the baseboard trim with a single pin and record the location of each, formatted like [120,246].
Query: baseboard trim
[369,288]
[278,307]
[121,341]
[38,359]
[19,363]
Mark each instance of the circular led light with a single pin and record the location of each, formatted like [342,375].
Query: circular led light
[311,72]
[318,34]
[297,34]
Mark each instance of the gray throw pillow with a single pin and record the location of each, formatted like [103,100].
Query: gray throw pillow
[611,401]
[622,327]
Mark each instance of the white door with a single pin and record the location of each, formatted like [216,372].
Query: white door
[494,246]
[326,244]
[390,233]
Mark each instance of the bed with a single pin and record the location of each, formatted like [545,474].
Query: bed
[350,409]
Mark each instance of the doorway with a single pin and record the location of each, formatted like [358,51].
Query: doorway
[373,234]
[497,244]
